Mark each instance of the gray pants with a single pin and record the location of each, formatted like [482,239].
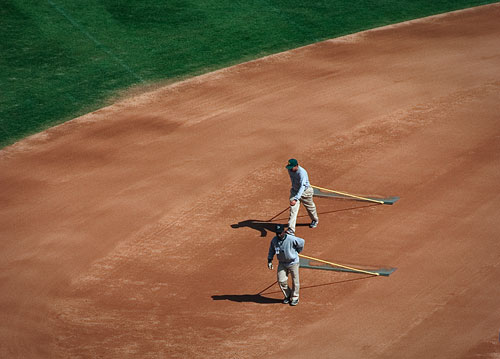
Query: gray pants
[283,272]
[307,201]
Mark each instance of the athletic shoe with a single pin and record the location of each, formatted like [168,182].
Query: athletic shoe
[286,300]
[313,224]
[294,302]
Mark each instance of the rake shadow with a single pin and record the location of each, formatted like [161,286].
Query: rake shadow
[322,285]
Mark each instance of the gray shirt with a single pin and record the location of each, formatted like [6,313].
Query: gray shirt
[300,182]
[287,249]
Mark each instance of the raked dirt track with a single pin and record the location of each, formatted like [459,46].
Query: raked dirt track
[141,230]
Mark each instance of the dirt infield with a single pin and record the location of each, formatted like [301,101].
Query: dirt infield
[141,230]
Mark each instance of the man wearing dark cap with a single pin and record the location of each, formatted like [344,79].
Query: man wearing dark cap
[301,191]
[287,248]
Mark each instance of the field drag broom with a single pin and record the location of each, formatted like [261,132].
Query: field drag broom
[329,193]
[305,262]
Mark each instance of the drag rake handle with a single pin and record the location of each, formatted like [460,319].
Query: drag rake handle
[340,265]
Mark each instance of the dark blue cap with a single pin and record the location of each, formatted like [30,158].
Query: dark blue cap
[279,228]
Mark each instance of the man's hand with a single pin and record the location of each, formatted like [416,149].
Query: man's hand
[292,202]
[270,265]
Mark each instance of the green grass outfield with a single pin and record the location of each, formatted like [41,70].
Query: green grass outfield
[62,58]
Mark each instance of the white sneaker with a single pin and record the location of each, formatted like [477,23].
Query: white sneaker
[313,224]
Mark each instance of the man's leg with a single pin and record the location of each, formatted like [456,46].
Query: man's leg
[294,211]
[283,280]
[307,200]
[294,294]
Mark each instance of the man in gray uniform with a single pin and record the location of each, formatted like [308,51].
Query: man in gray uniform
[287,248]
[301,191]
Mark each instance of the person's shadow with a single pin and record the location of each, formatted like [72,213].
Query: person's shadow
[262,226]
[252,298]
[260,299]
[245,298]
[259,225]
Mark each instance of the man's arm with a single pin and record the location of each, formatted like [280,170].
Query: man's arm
[298,244]
[303,181]
[270,256]
[270,253]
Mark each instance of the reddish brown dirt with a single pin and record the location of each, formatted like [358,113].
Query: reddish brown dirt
[131,233]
